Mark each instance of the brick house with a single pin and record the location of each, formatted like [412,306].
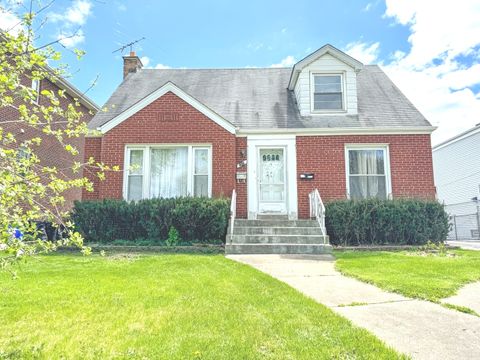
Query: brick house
[273,135]
[48,152]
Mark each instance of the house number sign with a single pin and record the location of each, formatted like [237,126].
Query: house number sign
[271,157]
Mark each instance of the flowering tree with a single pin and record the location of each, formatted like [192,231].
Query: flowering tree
[31,191]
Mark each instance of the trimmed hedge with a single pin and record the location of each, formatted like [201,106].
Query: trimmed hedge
[198,220]
[378,222]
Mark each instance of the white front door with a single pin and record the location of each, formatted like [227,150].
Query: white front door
[272,197]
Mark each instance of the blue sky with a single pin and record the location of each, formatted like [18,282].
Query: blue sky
[223,34]
[433,59]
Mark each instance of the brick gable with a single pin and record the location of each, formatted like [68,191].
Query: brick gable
[167,120]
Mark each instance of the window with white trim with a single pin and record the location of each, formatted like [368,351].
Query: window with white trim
[36,87]
[327,92]
[167,171]
[367,172]
[135,174]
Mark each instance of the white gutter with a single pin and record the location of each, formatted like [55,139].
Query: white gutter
[341,131]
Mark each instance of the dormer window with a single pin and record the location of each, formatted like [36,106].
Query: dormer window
[327,92]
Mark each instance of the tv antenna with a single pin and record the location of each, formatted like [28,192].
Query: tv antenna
[130,44]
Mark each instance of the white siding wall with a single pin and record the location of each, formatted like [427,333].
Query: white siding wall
[457,174]
[326,63]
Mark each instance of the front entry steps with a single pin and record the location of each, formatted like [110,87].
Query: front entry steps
[274,234]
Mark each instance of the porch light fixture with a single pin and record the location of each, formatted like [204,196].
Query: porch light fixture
[241,164]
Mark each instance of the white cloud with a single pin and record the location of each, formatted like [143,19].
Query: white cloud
[363,52]
[69,41]
[145,60]
[367,7]
[162,66]
[439,28]
[70,20]
[76,14]
[9,21]
[286,62]
[430,73]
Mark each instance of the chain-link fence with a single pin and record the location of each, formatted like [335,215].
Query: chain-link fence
[465,227]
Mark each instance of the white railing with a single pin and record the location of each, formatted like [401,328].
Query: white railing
[317,209]
[233,211]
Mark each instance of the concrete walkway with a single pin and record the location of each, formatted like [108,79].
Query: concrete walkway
[417,328]
[468,296]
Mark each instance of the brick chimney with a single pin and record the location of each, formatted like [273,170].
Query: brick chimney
[131,64]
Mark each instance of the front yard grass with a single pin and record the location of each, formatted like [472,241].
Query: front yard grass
[412,273]
[167,307]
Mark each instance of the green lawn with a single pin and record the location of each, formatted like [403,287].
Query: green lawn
[408,273]
[167,307]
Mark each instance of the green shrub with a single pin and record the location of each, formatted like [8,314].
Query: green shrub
[173,237]
[394,222]
[200,220]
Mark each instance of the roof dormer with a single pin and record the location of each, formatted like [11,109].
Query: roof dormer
[325,82]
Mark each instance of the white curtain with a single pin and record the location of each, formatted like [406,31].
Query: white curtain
[371,160]
[362,163]
[168,172]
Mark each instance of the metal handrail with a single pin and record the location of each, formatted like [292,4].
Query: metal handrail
[317,209]
[233,210]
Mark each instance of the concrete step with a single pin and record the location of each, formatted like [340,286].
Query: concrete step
[272,217]
[277,239]
[277,249]
[276,223]
[282,230]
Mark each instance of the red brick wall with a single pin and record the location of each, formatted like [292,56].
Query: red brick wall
[50,151]
[169,119]
[241,187]
[410,165]
[410,155]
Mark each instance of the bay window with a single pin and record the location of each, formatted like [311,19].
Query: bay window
[367,172]
[167,171]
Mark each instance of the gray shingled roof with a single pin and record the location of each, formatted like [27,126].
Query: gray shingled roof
[258,98]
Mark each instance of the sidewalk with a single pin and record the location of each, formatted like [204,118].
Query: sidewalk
[421,329]
[468,244]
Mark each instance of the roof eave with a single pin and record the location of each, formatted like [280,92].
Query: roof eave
[461,136]
[76,93]
[341,131]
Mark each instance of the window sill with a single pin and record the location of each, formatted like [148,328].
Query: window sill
[326,112]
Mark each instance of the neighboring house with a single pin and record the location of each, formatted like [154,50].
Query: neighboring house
[50,153]
[272,134]
[457,177]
